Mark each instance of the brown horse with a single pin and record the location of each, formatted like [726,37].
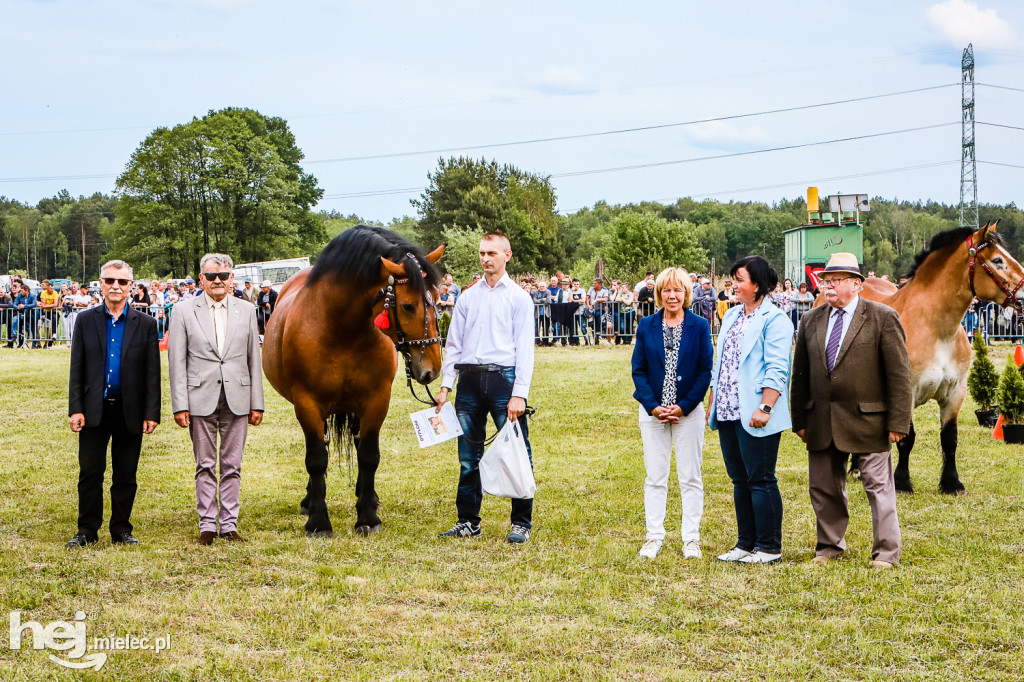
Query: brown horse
[958,265]
[330,347]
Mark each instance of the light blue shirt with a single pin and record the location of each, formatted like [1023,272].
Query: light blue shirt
[848,311]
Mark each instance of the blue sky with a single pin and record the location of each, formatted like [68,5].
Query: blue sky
[86,80]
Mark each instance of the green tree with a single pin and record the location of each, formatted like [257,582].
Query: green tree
[462,253]
[639,242]
[228,182]
[1011,393]
[982,380]
[467,193]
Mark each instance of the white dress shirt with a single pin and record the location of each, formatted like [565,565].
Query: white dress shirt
[492,326]
[848,312]
[219,316]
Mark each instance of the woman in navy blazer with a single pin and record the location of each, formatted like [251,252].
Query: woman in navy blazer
[672,363]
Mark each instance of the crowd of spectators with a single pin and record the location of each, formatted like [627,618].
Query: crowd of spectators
[48,318]
[566,313]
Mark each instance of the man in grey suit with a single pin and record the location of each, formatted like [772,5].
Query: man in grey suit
[216,388]
[851,394]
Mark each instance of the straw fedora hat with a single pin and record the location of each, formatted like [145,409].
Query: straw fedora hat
[845,263]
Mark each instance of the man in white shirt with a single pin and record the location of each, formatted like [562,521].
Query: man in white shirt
[490,351]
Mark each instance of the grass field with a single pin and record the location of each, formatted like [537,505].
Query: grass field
[575,603]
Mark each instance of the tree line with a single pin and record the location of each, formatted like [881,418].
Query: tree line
[232,181]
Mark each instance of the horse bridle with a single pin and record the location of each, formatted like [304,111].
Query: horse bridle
[1011,295]
[405,345]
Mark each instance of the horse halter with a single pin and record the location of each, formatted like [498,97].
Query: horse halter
[1011,294]
[403,344]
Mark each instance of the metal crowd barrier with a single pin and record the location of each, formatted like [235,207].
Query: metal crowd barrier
[47,327]
[994,322]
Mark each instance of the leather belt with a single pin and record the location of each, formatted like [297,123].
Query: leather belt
[481,369]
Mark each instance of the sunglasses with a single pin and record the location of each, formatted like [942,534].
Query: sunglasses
[109,281]
[211,276]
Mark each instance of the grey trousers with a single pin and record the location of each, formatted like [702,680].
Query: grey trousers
[827,482]
[232,429]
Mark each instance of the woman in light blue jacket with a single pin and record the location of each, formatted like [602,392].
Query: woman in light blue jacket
[750,408]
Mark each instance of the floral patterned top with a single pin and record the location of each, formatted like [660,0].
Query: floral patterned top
[671,336]
[727,395]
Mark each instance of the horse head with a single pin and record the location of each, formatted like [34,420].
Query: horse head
[411,315]
[1005,274]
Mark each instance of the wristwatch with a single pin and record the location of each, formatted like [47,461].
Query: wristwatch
[767,409]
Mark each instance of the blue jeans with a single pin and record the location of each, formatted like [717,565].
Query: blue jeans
[478,395]
[750,463]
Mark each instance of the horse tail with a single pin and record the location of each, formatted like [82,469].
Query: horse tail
[343,435]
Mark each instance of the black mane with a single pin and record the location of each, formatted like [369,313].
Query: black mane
[946,238]
[355,254]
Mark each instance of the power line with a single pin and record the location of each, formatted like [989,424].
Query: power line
[406,190]
[1005,165]
[621,131]
[832,179]
[750,152]
[801,183]
[50,178]
[999,125]
[999,87]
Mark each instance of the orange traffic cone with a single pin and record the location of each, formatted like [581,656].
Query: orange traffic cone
[998,432]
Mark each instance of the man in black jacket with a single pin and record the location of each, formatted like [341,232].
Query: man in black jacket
[265,304]
[114,397]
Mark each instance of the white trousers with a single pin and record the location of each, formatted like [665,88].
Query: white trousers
[658,439]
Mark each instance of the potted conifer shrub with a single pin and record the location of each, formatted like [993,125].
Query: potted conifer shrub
[983,382]
[1011,402]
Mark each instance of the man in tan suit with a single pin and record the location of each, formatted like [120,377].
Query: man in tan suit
[216,387]
[851,394]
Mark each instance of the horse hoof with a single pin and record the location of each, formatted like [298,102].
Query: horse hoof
[855,474]
[957,490]
[319,533]
[304,511]
[367,531]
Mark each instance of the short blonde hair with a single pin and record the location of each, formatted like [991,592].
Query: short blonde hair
[678,277]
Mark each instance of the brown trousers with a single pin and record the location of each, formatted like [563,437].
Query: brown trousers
[827,482]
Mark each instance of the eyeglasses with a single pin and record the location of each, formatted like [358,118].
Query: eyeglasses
[109,281]
[835,280]
[222,276]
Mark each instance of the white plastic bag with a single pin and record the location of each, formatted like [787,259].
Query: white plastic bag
[505,469]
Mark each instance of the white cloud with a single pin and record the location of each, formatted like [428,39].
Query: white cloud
[962,22]
[561,79]
[721,135]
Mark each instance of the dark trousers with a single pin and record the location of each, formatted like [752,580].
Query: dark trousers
[750,463]
[478,395]
[125,448]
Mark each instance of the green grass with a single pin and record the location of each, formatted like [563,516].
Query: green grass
[575,603]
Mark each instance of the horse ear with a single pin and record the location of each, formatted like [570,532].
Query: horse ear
[436,254]
[390,268]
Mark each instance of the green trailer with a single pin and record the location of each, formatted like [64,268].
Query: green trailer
[808,247]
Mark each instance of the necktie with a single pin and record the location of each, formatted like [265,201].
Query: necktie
[218,327]
[832,347]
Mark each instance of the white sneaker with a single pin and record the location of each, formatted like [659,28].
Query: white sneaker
[734,554]
[650,549]
[691,549]
[760,558]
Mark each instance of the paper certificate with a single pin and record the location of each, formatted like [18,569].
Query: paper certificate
[435,427]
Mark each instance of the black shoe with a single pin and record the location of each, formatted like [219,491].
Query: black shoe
[462,529]
[124,539]
[518,535]
[80,540]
